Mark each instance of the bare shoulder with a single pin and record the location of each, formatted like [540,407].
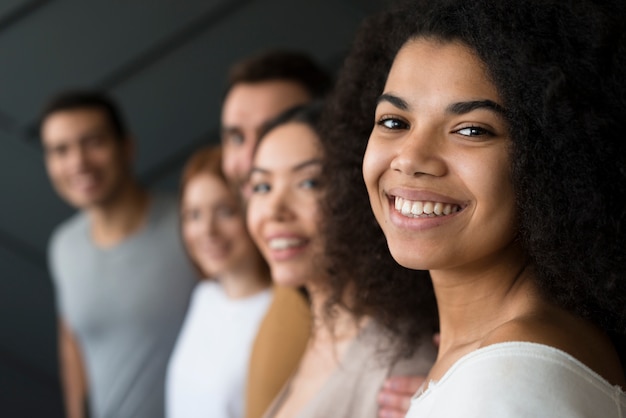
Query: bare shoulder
[560,329]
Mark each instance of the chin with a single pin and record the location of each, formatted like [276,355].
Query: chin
[287,279]
[408,259]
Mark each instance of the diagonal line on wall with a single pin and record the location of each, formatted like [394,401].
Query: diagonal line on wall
[20,12]
[202,23]
[155,53]
[176,159]
[23,250]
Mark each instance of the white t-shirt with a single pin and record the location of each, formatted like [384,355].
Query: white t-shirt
[519,379]
[207,372]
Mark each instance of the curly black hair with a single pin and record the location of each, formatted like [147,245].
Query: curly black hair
[357,254]
[560,68]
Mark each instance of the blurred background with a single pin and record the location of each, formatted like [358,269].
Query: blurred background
[165,62]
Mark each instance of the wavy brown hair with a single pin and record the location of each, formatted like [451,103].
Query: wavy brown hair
[357,254]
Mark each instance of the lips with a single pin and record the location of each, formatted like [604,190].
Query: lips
[214,250]
[83,182]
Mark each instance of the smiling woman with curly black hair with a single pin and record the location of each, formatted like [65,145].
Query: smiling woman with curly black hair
[496,161]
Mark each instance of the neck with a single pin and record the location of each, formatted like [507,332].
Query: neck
[120,217]
[340,327]
[472,302]
[246,280]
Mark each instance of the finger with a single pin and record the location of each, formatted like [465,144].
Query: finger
[394,402]
[404,384]
[391,413]
[437,339]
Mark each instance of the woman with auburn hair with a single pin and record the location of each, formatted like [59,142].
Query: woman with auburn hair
[496,167]
[208,368]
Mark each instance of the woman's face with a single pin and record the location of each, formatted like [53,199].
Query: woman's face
[283,208]
[436,165]
[213,226]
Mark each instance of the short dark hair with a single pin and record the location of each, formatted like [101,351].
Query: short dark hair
[308,114]
[87,99]
[284,66]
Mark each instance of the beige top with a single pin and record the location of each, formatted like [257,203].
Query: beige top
[352,390]
[278,347]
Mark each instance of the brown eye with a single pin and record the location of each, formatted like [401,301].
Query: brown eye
[191,215]
[260,188]
[473,131]
[234,137]
[393,123]
[226,212]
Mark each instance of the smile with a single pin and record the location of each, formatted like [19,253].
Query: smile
[285,243]
[424,209]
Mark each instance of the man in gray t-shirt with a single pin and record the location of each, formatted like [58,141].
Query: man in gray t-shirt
[121,275]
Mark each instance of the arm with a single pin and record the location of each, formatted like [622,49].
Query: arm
[72,373]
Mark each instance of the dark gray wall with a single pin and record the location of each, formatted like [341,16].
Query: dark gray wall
[165,61]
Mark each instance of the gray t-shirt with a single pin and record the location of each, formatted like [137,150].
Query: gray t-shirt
[125,305]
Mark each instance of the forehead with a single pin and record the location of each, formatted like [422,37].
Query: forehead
[72,124]
[255,103]
[287,146]
[205,187]
[445,69]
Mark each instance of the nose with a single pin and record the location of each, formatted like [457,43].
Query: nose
[421,153]
[211,225]
[279,205]
[77,158]
[247,154]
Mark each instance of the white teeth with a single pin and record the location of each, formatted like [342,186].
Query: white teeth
[406,208]
[424,208]
[284,243]
[417,208]
[438,209]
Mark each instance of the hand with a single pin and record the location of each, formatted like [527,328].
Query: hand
[437,339]
[394,398]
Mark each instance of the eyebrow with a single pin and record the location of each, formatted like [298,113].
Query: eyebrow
[454,108]
[299,167]
[394,100]
[461,108]
[229,129]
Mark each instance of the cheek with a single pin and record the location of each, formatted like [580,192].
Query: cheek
[253,221]
[189,233]
[54,169]
[311,213]
[374,164]
[228,158]
[237,160]
[489,182]
[235,229]
[104,155]
[246,154]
